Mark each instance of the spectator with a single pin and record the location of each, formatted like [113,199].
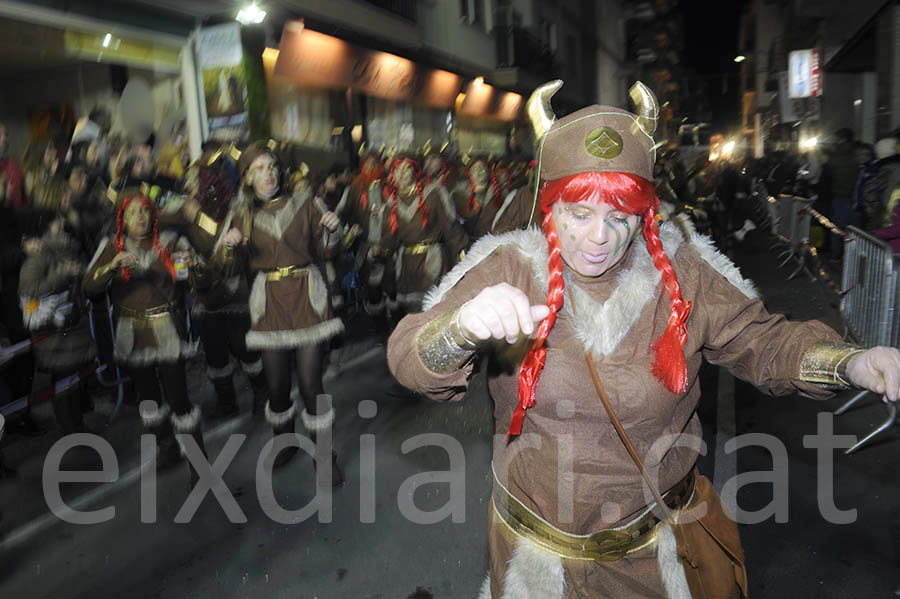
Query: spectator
[12,178]
[845,170]
[877,185]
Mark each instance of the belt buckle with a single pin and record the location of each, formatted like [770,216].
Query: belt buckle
[285,271]
[607,546]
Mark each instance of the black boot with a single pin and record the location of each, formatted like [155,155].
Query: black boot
[160,425]
[226,405]
[68,412]
[190,424]
[316,425]
[260,393]
[282,422]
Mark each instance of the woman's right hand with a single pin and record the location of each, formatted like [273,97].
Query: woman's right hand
[233,238]
[123,260]
[500,312]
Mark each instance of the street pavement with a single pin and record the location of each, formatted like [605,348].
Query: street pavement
[393,557]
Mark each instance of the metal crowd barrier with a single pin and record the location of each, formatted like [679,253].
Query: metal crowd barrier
[790,221]
[869,305]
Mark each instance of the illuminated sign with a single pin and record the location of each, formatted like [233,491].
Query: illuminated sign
[804,74]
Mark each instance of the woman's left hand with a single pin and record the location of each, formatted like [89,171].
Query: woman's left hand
[330,221]
[877,369]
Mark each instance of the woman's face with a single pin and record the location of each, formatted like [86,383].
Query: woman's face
[404,176]
[137,220]
[263,174]
[593,236]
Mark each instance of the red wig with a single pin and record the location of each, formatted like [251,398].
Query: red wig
[442,174]
[634,195]
[422,208]
[507,179]
[120,229]
[366,178]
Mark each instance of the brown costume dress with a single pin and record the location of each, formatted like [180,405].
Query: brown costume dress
[289,303]
[620,315]
[422,254]
[515,211]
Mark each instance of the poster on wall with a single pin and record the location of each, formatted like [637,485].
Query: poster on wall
[220,59]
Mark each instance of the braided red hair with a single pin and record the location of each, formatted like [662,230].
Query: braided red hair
[120,229]
[634,195]
[393,220]
[366,178]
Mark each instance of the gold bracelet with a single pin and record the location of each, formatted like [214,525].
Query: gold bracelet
[102,271]
[442,346]
[826,364]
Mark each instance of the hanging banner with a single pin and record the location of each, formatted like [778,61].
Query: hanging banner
[220,59]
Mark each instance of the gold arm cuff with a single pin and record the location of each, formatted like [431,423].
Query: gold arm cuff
[102,272]
[826,364]
[208,224]
[441,345]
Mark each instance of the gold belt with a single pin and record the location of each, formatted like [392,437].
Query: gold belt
[607,545]
[147,315]
[284,272]
[419,248]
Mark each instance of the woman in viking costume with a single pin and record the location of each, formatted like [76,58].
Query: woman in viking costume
[601,297]
[284,240]
[221,310]
[515,213]
[137,268]
[477,198]
[421,233]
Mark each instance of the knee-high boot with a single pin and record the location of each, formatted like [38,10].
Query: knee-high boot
[282,422]
[323,424]
[222,380]
[258,385]
[159,423]
[190,424]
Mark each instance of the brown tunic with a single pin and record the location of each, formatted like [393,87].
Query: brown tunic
[422,254]
[293,310]
[142,341]
[515,212]
[621,314]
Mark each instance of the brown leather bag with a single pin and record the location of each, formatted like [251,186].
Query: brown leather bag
[709,547]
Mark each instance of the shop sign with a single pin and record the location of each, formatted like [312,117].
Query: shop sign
[219,57]
[804,74]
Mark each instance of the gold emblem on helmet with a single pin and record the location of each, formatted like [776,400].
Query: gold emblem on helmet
[604,143]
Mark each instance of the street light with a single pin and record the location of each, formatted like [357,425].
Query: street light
[251,15]
[740,58]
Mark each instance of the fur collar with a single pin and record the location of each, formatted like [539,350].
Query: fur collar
[406,211]
[444,195]
[274,225]
[600,326]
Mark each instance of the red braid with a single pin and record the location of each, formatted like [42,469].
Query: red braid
[473,205]
[392,219]
[498,197]
[534,359]
[670,365]
[508,174]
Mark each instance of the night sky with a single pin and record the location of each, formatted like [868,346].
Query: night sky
[711,43]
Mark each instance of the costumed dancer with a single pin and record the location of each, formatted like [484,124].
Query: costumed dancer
[421,235]
[603,287]
[477,198]
[516,211]
[137,268]
[286,238]
[221,310]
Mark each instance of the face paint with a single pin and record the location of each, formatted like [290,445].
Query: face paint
[597,235]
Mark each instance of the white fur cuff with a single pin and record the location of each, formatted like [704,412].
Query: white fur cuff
[220,373]
[253,368]
[318,422]
[187,423]
[154,417]
[280,418]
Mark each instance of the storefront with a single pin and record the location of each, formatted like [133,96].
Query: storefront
[330,95]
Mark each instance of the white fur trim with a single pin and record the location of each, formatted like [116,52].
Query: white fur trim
[280,418]
[318,422]
[330,273]
[317,290]
[226,226]
[407,211]
[410,301]
[670,567]
[506,202]
[342,204]
[723,265]
[219,373]
[274,225]
[434,261]
[376,274]
[187,423]
[323,331]
[532,573]
[253,368]
[103,243]
[157,417]
[373,309]
[258,298]
[169,345]
[444,195]
[376,220]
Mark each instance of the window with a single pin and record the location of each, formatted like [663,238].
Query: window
[471,11]
[548,35]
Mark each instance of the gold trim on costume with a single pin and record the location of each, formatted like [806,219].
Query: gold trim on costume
[147,316]
[207,223]
[441,345]
[419,248]
[284,272]
[826,363]
[611,544]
